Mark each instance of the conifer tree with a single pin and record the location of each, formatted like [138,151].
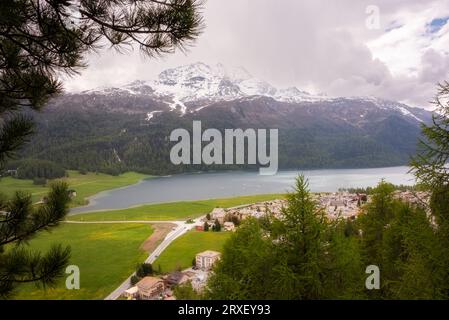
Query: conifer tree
[282,259]
[304,240]
[39,41]
[430,166]
[20,220]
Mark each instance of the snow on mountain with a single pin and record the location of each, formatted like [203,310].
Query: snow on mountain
[293,94]
[391,105]
[203,84]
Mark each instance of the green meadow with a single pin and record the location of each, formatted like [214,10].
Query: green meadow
[85,185]
[105,253]
[171,211]
[180,253]
[108,253]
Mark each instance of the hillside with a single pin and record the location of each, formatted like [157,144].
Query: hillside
[127,128]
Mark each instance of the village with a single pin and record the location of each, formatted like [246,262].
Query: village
[338,205]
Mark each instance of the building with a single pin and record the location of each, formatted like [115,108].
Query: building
[72,193]
[131,293]
[229,226]
[150,288]
[205,260]
[199,280]
[176,278]
[218,214]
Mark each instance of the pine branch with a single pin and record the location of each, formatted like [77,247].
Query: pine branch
[13,134]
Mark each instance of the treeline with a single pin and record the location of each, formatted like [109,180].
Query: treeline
[115,142]
[306,256]
[35,169]
[398,187]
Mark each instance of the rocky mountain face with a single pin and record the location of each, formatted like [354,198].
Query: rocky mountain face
[128,127]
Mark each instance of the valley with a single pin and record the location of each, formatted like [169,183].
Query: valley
[118,129]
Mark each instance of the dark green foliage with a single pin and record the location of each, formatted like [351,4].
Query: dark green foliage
[134,279]
[401,187]
[431,169]
[34,168]
[40,181]
[304,256]
[206,226]
[289,258]
[14,133]
[402,241]
[343,267]
[185,292]
[39,41]
[430,165]
[19,223]
[145,269]
[378,214]
[217,226]
[146,148]
[248,267]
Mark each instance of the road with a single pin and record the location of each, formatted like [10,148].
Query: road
[181,228]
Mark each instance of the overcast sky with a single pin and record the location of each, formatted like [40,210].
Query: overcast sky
[330,46]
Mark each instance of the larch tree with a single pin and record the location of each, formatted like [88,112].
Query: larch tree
[431,167]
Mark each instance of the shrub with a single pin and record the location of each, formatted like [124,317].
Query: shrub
[134,280]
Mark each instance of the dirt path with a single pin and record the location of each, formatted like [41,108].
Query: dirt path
[160,231]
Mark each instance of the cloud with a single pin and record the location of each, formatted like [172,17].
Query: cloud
[317,45]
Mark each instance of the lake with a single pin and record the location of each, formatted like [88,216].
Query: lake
[202,186]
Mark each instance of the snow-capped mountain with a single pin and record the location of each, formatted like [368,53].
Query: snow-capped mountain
[202,83]
[129,126]
[194,87]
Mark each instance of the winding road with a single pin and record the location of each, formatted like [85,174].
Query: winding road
[181,228]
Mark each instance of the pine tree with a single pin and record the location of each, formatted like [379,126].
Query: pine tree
[39,40]
[19,222]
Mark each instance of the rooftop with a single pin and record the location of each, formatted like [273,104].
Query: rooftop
[148,282]
[209,253]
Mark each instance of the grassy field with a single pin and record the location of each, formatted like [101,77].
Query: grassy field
[180,253]
[105,253]
[171,211]
[85,185]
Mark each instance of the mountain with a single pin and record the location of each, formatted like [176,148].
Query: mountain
[112,129]
[199,84]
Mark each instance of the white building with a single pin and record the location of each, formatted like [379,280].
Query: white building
[205,260]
